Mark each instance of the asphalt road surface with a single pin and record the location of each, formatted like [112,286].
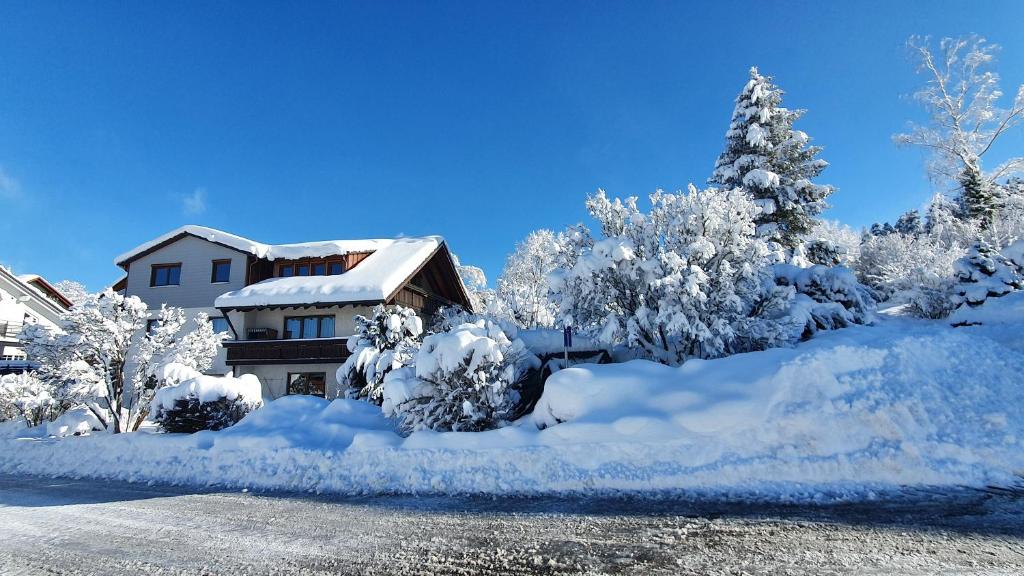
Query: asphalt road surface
[52,526]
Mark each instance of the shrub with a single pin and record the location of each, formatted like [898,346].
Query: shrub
[206,403]
[386,340]
[464,380]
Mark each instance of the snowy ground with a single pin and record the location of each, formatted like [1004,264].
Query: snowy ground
[91,527]
[852,414]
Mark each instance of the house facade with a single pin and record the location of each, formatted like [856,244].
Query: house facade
[289,308]
[26,299]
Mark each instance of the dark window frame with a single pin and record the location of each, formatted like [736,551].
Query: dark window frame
[226,323]
[213,270]
[154,270]
[306,389]
[302,326]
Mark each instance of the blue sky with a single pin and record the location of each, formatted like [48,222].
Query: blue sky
[479,121]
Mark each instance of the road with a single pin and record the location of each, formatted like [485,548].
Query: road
[52,526]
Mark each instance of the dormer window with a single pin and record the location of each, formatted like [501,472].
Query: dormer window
[311,267]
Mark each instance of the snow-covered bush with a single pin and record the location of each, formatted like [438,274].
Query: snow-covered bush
[383,342]
[916,270]
[100,355]
[688,280]
[206,402]
[827,298]
[74,422]
[464,380]
[27,397]
[985,273]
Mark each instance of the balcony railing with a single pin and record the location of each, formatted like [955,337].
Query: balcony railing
[10,329]
[317,351]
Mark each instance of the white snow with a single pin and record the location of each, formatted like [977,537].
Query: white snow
[209,389]
[374,279]
[1005,310]
[904,403]
[74,421]
[316,249]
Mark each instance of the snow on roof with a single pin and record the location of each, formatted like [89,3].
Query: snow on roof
[373,279]
[258,249]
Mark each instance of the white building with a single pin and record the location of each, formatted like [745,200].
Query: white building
[27,299]
[289,308]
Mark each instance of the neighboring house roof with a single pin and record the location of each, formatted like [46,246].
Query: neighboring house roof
[376,278]
[30,297]
[40,284]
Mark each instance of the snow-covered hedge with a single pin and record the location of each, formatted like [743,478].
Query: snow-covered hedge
[206,402]
[464,379]
[383,342]
[985,273]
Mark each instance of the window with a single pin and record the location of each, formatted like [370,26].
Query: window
[308,327]
[311,267]
[221,271]
[311,383]
[220,324]
[151,325]
[165,275]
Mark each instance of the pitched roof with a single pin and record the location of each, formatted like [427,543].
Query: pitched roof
[376,278]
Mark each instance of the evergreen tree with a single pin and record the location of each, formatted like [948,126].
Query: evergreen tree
[978,197]
[774,163]
[910,223]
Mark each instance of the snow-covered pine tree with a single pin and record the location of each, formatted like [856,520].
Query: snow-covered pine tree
[979,198]
[985,273]
[387,340]
[773,162]
[910,223]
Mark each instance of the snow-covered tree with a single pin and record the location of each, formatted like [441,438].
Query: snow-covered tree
[831,243]
[962,98]
[689,279]
[916,270]
[910,223]
[464,380]
[383,342]
[985,273]
[483,299]
[773,162]
[27,397]
[101,356]
[72,290]
[523,285]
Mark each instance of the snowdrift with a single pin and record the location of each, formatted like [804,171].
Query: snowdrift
[846,415]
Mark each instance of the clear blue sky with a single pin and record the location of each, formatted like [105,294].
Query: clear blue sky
[479,121]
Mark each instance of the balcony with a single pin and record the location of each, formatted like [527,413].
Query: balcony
[318,351]
[10,330]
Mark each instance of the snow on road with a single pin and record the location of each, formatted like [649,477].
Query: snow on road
[94,527]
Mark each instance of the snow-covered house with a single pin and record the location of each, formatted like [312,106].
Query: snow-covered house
[26,299]
[289,308]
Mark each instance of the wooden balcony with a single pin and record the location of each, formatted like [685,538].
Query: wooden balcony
[317,351]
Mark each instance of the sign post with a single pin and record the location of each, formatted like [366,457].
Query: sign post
[567,343]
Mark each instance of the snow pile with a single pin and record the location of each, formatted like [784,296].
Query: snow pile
[903,403]
[985,273]
[827,297]
[1008,310]
[73,422]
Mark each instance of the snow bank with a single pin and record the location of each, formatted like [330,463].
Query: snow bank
[1008,309]
[851,412]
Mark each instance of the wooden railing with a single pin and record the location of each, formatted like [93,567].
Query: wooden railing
[318,351]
